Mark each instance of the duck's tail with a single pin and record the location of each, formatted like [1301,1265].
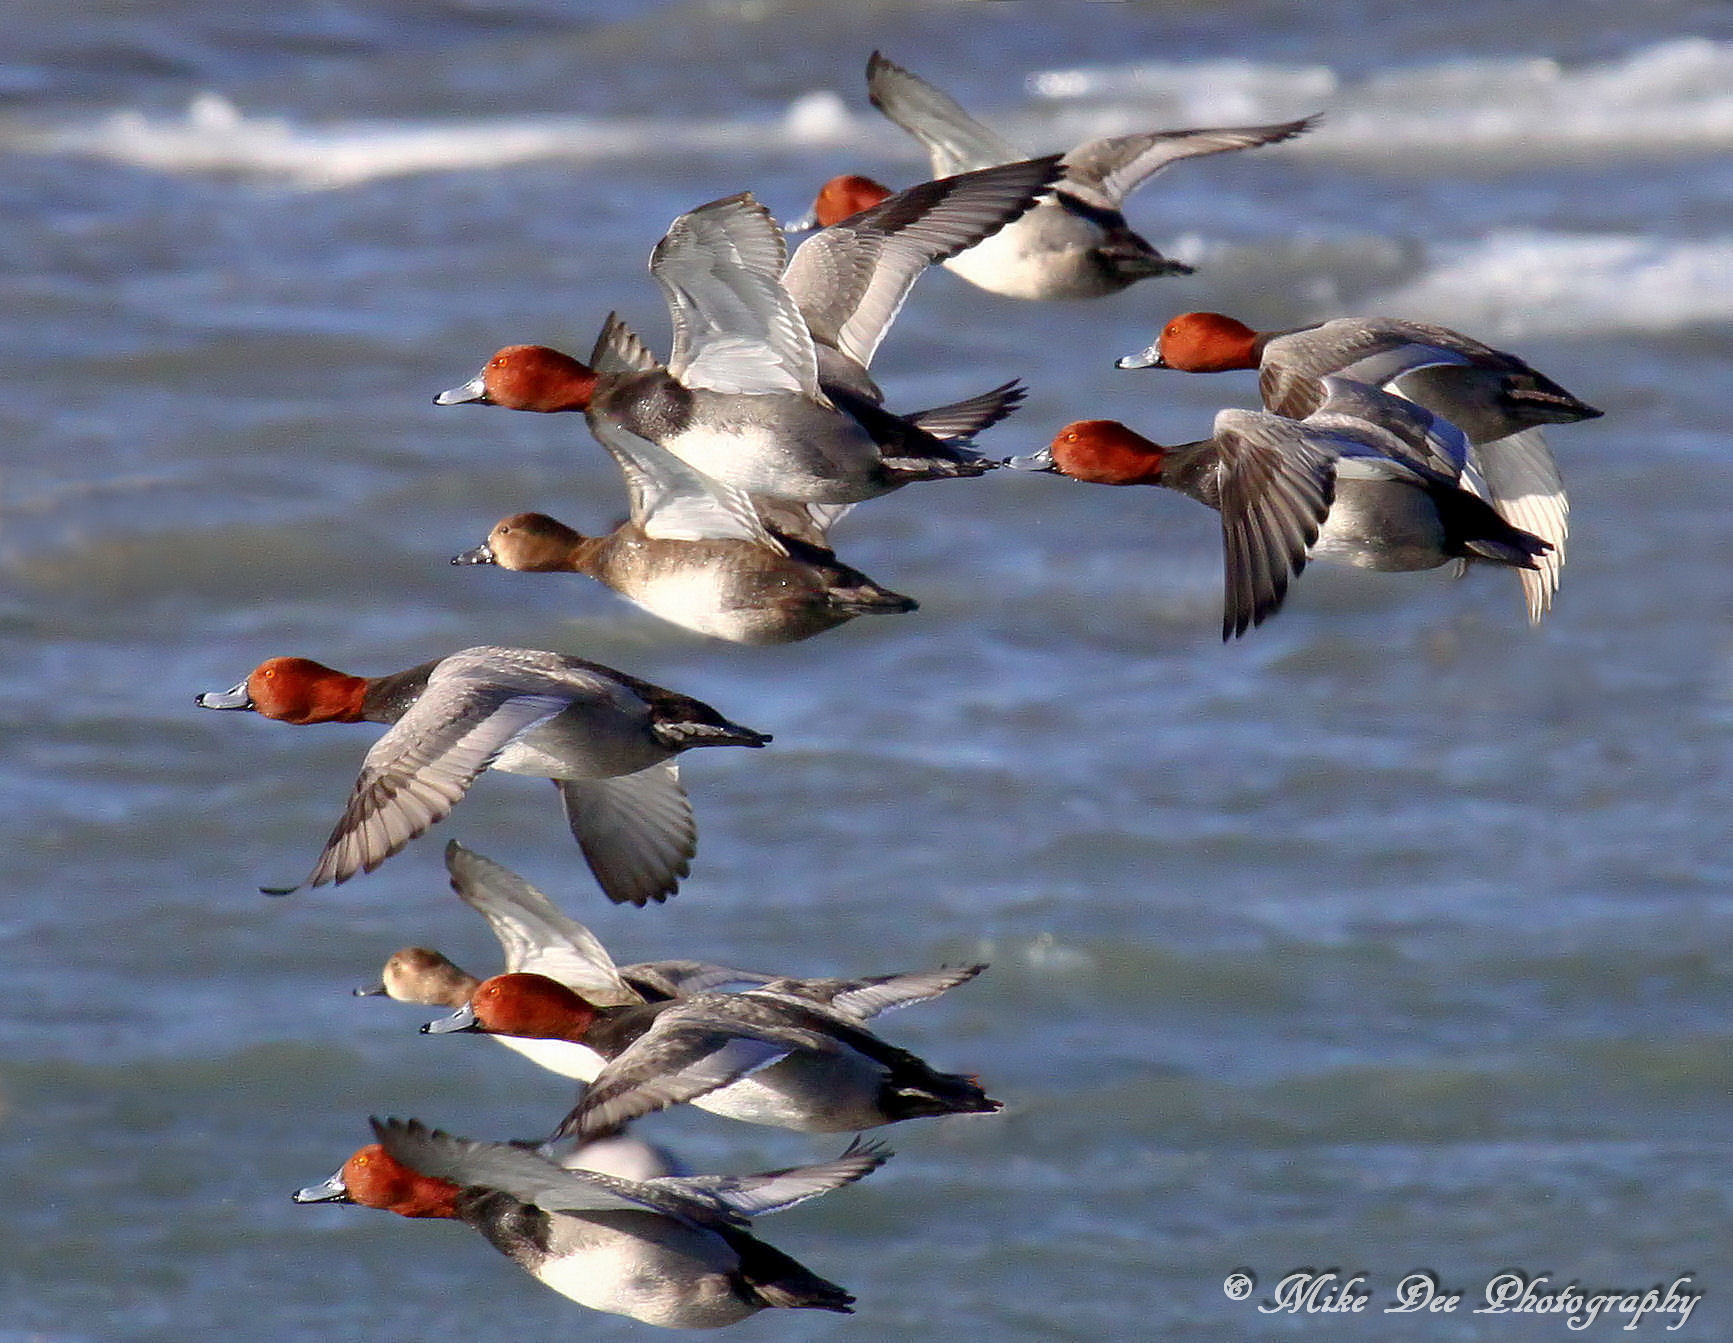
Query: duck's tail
[770,1278]
[867,598]
[936,1093]
[1477,532]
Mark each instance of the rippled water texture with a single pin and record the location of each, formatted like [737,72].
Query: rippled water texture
[1393,937]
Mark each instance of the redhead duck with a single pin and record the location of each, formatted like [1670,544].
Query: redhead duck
[668,1251]
[1075,242]
[1494,397]
[1367,479]
[765,392]
[608,740]
[724,587]
[538,938]
[813,1067]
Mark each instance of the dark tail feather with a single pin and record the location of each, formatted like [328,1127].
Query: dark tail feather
[1479,533]
[869,599]
[1141,261]
[771,1278]
[719,733]
[905,470]
[937,1094]
[962,420]
[848,592]
[1544,400]
[1516,556]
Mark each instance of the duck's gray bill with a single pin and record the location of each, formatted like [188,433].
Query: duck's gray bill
[473,390]
[235,698]
[331,1191]
[1034,461]
[464,1019]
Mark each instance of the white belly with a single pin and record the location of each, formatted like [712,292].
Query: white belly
[645,1266]
[814,1093]
[793,449]
[579,745]
[697,599]
[1043,255]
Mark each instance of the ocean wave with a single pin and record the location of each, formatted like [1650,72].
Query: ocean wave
[1522,283]
[1669,97]
[1673,96]
[214,136]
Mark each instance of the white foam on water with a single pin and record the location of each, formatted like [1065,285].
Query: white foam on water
[1196,93]
[1522,283]
[1673,96]
[1670,97]
[214,136]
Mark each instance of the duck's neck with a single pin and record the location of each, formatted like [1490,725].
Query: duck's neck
[385,699]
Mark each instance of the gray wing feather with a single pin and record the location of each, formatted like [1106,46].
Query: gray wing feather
[772,1191]
[736,329]
[533,1178]
[619,350]
[636,830]
[1392,426]
[1523,484]
[536,936]
[954,139]
[851,279]
[1277,484]
[417,772]
[668,1066]
[1103,172]
[863,999]
[672,501]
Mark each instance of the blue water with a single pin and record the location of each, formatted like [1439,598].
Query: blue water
[1395,936]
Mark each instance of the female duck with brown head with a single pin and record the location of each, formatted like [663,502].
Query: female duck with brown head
[669,1251]
[1499,401]
[608,740]
[725,587]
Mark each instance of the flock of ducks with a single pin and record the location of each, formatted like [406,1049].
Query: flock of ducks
[1385,444]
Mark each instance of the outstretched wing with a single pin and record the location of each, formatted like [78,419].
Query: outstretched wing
[673,1062]
[1103,173]
[850,280]
[1277,484]
[774,1190]
[536,936]
[533,1178]
[418,771]
[735,327]
[956,141]
[636,830]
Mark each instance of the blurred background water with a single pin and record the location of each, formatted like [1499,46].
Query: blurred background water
[1395,936]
